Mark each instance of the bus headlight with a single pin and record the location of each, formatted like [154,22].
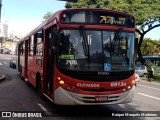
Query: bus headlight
[133,82]
[129,87]
[61,82]
[124,89]
[58,78]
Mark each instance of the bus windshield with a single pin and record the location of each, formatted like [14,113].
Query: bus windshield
[91,50]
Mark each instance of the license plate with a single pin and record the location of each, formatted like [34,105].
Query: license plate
[101,98]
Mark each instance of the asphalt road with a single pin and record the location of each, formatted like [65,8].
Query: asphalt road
[18,96]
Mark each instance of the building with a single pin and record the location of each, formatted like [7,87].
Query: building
[3,32]
[4,29]
[9,46]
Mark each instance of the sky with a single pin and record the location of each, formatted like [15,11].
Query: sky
[24,15]
[154,34]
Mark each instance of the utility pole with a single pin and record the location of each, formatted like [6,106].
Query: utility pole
[1,38]
[0,9]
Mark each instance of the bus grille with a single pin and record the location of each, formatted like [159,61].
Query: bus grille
[100,90]
[91,99]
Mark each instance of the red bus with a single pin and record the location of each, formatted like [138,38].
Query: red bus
[81,56]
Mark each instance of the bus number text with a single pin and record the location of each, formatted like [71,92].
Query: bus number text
[71,62]
[118,84]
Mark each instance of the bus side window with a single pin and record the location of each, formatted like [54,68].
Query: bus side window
[29,48]
[21,48]
[39,43]
[35,44]
[31,45]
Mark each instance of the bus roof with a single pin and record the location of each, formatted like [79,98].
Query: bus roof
[58,13]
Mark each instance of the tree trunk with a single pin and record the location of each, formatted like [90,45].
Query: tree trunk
[139,49]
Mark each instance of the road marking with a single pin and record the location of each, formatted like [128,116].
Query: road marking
[1,63]
[44,109]
[149,87]
[149,96]
[154,83]
[5,63]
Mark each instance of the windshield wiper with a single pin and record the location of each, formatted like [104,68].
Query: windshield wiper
[116,39]
[117,34]
[84,42]
[111,48]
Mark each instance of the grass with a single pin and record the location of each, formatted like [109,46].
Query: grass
[155,78]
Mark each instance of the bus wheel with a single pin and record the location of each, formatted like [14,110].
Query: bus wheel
[145,76]
[39,86]
[22,78]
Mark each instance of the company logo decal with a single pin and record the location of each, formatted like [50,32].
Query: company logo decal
[88,85]
[103,73]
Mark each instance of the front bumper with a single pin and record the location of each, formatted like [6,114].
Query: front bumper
[63,97]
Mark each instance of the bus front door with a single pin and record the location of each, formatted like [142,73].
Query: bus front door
[49,79]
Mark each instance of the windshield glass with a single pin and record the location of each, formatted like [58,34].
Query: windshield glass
[88,50]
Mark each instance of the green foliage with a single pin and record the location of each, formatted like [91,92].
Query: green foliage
[155,78]
[47,15]
[84,4]
[150,47]
[146,12]
[141,9]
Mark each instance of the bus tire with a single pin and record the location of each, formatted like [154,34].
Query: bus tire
[22,78]
[39,86]
[145,76]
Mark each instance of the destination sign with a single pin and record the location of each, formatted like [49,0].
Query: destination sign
[98,17]
[112,20]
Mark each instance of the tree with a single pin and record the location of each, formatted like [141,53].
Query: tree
[47,15]
[87,4]
[147,13]
[150,47]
